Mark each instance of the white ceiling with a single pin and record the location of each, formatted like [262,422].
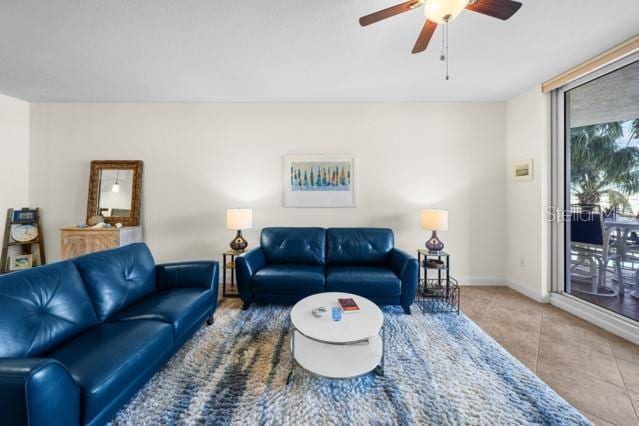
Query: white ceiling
[288,50]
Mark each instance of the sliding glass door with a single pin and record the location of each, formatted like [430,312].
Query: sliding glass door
[596,122]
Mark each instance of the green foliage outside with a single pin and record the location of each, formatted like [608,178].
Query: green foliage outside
[605,164]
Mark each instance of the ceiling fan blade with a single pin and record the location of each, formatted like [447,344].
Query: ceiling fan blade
[388,12]
[500,9]
[424,37]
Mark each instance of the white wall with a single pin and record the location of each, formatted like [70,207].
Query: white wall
[528,136]
[201,159]
[14,155]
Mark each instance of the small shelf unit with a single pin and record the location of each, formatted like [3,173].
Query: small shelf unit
[10,247]
[437,290]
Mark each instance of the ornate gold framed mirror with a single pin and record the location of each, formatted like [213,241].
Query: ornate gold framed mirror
[115,191]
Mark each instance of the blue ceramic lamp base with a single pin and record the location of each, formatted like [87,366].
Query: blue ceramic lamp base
[434,244]
[239,243]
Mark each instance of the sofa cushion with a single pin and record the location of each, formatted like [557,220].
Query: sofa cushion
[117,278]
[301,246]
[365,281]
[289,279]
[110,359]
[180,307]
[358,246]
[42,307]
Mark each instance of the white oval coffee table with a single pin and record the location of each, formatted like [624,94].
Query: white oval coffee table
[341,349]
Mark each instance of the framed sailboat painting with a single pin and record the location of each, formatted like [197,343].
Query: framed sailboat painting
[319,181]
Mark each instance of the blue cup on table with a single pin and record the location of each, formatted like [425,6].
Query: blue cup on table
[336,313]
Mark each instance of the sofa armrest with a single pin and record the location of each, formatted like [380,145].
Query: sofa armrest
[204,274]
[246,266]
[37,391]
[406,268]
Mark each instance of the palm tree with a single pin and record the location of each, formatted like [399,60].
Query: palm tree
[601,165]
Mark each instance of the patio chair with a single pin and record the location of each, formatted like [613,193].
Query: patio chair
[590,243]
[628,251]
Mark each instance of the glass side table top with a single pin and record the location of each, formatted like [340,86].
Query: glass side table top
[425,252]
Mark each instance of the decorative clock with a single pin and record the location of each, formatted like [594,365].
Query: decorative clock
[24,233]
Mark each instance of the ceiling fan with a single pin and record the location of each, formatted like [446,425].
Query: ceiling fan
[442,12]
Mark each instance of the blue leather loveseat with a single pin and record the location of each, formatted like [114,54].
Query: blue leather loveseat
[78,338]
[292,263]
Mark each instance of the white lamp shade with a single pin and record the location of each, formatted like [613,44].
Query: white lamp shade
[435,220]
[239,218]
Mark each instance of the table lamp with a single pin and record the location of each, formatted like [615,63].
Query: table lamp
[434,220]
[239,219]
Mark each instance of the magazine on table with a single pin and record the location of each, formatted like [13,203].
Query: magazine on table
[348,305]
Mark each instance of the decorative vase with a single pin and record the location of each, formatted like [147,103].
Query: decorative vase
[434,244]
[238,243]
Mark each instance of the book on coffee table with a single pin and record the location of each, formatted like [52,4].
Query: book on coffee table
[348,305]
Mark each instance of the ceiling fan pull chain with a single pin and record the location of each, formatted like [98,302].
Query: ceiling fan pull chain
[445,48]
[442,55]
[447,59]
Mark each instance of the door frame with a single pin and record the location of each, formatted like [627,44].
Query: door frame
[560,203]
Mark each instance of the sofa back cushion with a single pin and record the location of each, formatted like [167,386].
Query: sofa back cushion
[117,278]
[301,246]
[358,246]
[42,307]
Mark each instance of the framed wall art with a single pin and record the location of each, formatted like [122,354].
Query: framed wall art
[319,181]
[20,261]
[523,170]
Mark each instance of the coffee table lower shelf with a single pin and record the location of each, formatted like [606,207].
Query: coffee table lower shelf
[337,360]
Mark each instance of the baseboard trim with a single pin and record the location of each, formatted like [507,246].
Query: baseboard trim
[481,281]
[614,323]
[534,295]
[502,282]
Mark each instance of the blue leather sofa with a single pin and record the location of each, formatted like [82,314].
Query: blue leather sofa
[292,263]
[78,338]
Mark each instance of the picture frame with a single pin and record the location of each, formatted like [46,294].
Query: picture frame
[320,181]
[20,261]
[25,215]
[523,170]
[98,169]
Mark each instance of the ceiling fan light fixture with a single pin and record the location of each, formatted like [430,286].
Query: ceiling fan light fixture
[442,11]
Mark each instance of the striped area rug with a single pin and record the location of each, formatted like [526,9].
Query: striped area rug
[439,369]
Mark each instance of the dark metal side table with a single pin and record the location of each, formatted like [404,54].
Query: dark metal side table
[229,286]
[437,290]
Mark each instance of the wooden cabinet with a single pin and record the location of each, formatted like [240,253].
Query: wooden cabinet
[78,241]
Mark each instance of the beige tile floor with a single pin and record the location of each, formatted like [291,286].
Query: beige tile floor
[594,370]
